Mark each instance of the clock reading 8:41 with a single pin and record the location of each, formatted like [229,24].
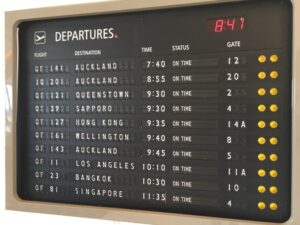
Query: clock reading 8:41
[227,24]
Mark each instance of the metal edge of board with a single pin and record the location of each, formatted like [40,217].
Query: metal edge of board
[13,202]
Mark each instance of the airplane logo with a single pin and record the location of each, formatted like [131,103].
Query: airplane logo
[40,37]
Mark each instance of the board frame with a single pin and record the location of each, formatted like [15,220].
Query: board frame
[14,202]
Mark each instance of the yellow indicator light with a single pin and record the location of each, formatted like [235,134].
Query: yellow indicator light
[273,108]
[273,190]
[274,74]
[262,58]
[261,124]
[261,205]
[274,58]
[273,173]
[273,206]
[273,141]
[261,108]
[261,140]
[261,173]
[261,92]
[262,75]
[273,91]
[273,157]
[261,157]
[261,189]
[273,124]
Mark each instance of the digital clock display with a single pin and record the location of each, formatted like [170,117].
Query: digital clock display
[228,24]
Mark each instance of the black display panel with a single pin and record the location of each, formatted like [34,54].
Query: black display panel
[184,110]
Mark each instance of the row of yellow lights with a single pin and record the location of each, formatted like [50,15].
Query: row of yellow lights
[262,124]
[273,75]
[262,189]
[263,173]
[273,58]
[272,91]
[273,108]
[273,206]
[262,157]
[273,140]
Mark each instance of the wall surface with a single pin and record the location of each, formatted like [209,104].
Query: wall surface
[11,217]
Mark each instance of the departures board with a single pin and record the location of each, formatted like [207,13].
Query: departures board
[182,110]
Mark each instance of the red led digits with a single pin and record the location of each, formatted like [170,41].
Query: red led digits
[228,24]
[242,23]
[219,26]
